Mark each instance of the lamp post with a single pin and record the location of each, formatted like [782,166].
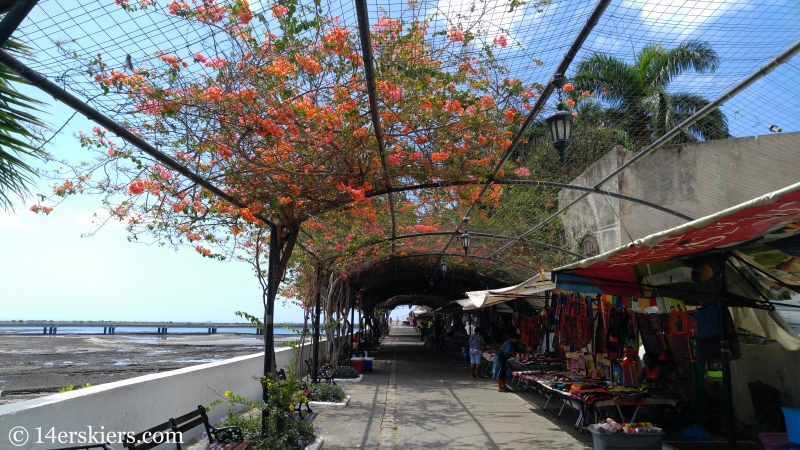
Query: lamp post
[560,123]
[465,236]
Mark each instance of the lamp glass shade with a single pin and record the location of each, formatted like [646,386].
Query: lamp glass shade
[465,241]
[444,267]
[560,125]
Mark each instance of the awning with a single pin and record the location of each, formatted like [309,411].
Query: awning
[421,312]
[760,238]
[466,304]
[526,289]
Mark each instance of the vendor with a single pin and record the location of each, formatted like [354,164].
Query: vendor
[501,357]
[650,374]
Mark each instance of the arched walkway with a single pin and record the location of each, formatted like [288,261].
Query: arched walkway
[422,399]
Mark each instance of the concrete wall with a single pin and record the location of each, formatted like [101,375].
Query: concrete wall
[703,178]
[694,179]
[136,404]
[596,214]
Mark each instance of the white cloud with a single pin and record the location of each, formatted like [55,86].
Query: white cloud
[16,223]
[491,16]
[684,16]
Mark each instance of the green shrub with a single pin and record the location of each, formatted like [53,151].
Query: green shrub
[347,372]
[327,392]
[284,429]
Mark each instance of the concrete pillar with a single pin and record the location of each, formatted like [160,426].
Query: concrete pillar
[44,330]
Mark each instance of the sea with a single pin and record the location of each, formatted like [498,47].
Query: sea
[123,329]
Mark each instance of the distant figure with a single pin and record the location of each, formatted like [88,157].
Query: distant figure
[476,346]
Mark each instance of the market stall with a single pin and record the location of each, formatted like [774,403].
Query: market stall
[679,291]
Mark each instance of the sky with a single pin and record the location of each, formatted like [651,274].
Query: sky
[48,271]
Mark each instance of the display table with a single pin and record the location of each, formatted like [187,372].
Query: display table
[594,399]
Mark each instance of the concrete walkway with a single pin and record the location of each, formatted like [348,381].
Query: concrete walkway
[422,399]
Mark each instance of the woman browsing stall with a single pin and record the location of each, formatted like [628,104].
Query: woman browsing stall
[501,360]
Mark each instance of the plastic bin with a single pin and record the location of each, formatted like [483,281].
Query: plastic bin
[603,441]
[358,364]
[368,364]
[792,417]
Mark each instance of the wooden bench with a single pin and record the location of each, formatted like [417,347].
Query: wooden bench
[224,438]
[304,390]
[328,375]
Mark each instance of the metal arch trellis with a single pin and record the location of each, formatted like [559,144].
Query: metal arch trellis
[486,235]
[540,183]
[455,255]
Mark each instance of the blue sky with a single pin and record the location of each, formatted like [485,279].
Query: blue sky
[50,272]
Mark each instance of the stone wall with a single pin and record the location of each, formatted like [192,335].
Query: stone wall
[694,179]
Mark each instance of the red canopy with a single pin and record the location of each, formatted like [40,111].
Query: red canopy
[777,214]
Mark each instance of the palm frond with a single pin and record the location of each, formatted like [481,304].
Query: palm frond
[664,65]
[610,78]
[712,126]
[17,116]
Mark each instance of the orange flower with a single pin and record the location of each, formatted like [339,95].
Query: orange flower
[586,93]
[569,87]
[570,102]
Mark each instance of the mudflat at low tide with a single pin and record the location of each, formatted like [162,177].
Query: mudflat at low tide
[37,365]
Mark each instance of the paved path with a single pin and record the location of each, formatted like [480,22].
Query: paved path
[423,399]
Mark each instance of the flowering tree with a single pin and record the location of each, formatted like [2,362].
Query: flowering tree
[274,114]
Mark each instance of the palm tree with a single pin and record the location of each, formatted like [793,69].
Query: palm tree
[16,121]
[638,96]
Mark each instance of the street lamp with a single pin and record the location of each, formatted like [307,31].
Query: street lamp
[444,267]
[560,122]
[465,236]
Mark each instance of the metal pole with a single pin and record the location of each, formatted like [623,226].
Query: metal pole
[15,16]
[315,340]
[360,330]
[269,339]
[352,319]
[547,301]
[362,15]
[724,346]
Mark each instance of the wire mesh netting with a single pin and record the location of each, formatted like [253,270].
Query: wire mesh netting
[647,66]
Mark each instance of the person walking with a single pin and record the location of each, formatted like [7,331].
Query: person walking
[501,357]
[476,346]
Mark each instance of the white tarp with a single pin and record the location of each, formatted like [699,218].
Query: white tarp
[421,311]
[768,324]
[528,288]
[466,304]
